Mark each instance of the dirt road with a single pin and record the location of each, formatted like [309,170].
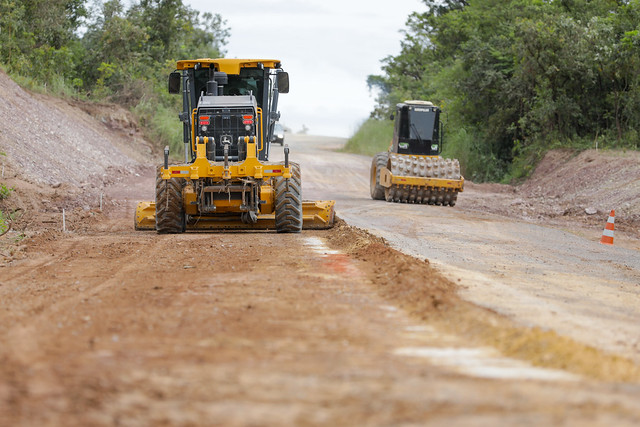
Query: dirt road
[557,277]
[107,326]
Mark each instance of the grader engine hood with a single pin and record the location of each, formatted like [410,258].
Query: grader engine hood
[226,120]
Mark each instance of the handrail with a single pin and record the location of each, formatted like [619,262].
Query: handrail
[261,134]
[193,130]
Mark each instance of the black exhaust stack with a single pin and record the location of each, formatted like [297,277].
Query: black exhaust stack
[216,85]
[212,88]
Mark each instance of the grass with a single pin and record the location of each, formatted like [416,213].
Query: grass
[59,86]
[162,126]
[372,137]
[4,222]
[5,191]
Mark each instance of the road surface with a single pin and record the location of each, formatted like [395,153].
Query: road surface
[553,278]
[103,325]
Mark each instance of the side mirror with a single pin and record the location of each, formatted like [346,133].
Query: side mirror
[174,82]
[283,82]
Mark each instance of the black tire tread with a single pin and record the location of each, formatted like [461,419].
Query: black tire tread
[288,209]
[379,161]
[169,208]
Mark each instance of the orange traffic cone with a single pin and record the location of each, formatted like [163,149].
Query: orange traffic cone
[607,234]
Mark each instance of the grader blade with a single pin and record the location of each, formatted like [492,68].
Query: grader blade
[145,216]
[316,215]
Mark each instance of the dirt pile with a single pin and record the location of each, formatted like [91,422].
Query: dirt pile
[589,181]
[422,291]
[403,276]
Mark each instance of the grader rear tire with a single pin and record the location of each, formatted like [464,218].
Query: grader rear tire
[379,161]
[169,209]
[288,208]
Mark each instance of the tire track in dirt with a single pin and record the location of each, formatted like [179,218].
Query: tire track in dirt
[23,339]
[245,327]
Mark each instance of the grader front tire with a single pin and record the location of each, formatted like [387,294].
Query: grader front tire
[169,209]
[288,208]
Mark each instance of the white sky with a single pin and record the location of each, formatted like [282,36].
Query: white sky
[329,47]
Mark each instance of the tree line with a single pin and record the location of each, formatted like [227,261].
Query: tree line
[108,51]
[518,77]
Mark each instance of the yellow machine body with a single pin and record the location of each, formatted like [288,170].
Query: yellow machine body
[230,185]
[315,214]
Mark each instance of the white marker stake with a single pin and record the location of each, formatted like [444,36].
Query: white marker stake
[64,223]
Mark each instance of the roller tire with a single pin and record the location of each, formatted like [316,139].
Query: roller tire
[376,190]
[429,167]
[170,216]
[288,210]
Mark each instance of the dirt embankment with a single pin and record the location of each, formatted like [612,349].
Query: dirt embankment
[63,154]
[568,187]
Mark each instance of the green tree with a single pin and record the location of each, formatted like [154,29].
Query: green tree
[175,29]
[518,77]
[128,50]
[37,37]
[14,38]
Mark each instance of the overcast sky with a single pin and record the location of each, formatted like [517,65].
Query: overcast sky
[329,47]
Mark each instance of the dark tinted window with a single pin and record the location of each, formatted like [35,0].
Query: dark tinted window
[419,130]
[250,79]
[422,124]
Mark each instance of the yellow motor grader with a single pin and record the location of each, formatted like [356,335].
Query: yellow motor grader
[412,170]
[227,181]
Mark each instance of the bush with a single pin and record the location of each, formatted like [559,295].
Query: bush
[4,222]
[4,191]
